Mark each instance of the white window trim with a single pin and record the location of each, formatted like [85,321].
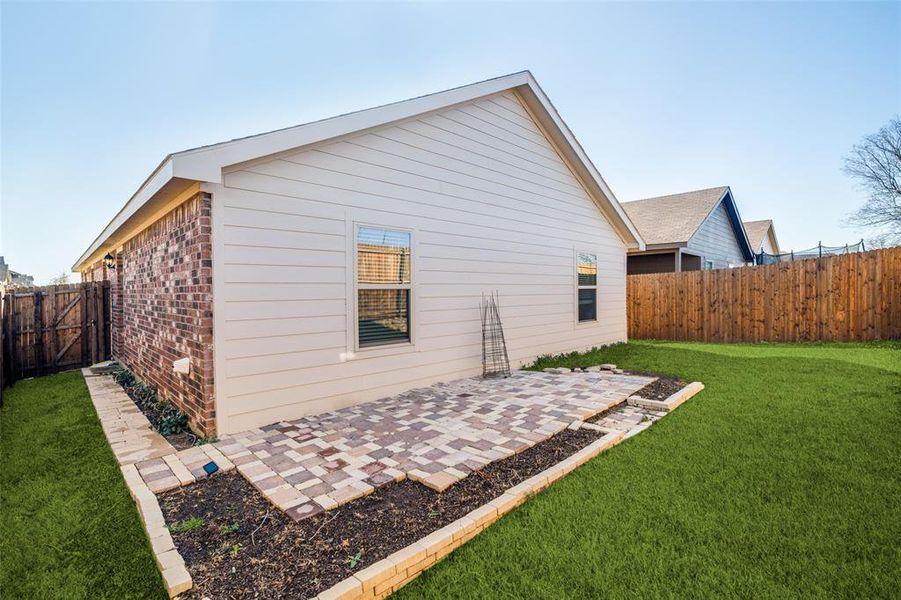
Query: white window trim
[353,301]
[596,287]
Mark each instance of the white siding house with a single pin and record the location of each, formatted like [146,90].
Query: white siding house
[349,262]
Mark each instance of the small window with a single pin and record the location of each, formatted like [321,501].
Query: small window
[587,280]
[708,264]
[384,283]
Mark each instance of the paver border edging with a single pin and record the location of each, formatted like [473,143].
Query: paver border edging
[393,572]
[171,564]
[172,567]
[670,403]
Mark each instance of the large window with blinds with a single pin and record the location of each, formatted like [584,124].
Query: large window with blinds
[384,284]
[587,284]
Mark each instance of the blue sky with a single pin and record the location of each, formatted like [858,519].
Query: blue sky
[665,97]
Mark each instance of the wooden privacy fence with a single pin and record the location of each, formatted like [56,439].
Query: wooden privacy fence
[847,297]
[54,328]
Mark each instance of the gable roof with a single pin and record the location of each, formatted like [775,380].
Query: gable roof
[205,163]
[671,221]
[758,230]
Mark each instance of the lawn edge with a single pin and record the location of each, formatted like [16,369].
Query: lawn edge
[176,578]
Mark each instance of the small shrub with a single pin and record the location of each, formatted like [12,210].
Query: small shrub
[172,420]
[144,395]
[124,377]
[186,525]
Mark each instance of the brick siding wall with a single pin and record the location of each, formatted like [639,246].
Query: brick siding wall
[97,272]
[162,296]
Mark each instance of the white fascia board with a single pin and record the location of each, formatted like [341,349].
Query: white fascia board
[160,177]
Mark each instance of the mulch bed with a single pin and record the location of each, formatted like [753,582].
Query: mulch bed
[661,389]
[247,548]
[180,441]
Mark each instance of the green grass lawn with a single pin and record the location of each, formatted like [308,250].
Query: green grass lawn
[781,479]
[68,528]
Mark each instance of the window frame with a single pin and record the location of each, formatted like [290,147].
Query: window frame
[596,287]
[709,265]
[356,286]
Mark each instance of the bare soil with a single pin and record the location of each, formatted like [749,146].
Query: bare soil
[661,389]
[247,548]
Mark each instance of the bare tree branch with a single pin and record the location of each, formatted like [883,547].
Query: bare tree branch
[875,163]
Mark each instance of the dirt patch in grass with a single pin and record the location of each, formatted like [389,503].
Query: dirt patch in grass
[661,389]
[247,548]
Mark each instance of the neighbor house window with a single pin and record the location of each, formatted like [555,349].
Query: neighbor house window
[708,264]
[383,286]
[587,280]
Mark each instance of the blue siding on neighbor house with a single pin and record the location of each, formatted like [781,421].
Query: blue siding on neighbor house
[717,240]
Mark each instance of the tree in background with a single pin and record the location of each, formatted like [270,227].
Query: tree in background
[876,165]
[60,279]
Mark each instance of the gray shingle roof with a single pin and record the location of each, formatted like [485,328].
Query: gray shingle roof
[675,218]
[757,231]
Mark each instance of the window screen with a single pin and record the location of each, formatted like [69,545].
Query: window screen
[587,279]
[384,278]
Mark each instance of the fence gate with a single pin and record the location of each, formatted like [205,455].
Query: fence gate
[54,328]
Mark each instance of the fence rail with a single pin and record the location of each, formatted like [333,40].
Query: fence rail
[54,328]
[847,297]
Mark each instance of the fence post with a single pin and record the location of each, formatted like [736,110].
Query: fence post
[54,337]
[3,377]
[38,333]
[13,334]
[84,326]
[820,246]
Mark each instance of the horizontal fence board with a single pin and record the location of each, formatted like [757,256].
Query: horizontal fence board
[848,297]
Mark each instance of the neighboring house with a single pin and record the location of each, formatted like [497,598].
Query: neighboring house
[344,260]
[13,279]
[762,236]
[688,232]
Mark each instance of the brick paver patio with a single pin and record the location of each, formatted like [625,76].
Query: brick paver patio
[436,435]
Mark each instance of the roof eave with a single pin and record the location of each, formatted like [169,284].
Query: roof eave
[206,164]
[581,163]
[153,184]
